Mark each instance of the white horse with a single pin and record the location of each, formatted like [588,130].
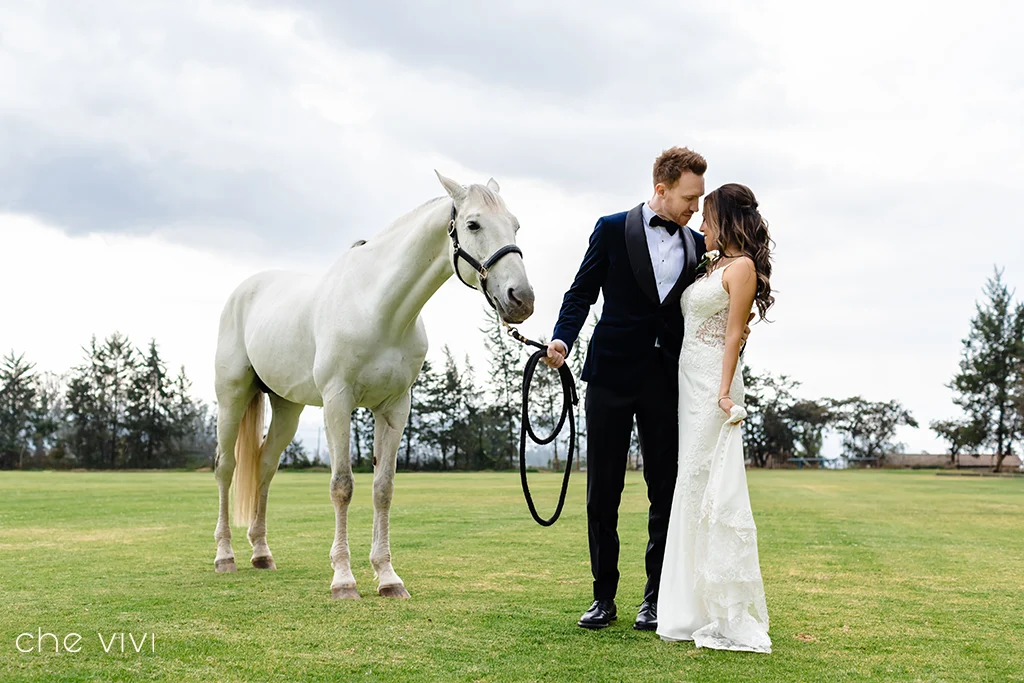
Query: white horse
[353,338]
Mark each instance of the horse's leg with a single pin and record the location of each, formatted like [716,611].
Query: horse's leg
[338,407]
[231,406]
[283,424]
[388,425]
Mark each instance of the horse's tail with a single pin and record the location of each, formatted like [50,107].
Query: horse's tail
[248,448]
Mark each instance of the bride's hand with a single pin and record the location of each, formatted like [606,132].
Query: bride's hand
[726,404]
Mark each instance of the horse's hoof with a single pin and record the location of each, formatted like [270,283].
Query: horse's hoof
[225,566]
[393,591]
[265,562]
[344,593]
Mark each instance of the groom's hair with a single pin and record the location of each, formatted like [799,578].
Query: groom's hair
[674,161]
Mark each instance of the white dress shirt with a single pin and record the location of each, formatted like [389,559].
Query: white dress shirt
[667,255]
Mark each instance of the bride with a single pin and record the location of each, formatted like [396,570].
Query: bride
[711,590]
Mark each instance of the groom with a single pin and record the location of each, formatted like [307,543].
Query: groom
[641,260]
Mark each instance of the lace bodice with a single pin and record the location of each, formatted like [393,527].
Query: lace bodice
[705,306]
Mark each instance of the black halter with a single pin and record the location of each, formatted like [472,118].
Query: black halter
[481,269]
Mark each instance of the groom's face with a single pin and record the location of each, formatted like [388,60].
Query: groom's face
[682,200]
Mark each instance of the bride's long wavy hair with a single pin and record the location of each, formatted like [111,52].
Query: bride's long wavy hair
[732,212]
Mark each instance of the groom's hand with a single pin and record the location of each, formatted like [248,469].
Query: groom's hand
[556,354]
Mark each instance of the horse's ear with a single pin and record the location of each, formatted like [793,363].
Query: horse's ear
[493,186]
[454,190]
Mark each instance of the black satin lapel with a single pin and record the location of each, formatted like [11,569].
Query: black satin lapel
[686,277]
[640,254]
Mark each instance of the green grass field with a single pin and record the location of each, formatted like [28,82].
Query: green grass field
[869,575]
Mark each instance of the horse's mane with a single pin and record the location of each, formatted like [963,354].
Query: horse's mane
[480,192]
[486,196]
[422,208]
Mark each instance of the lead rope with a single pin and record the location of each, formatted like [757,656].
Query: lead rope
[569,399]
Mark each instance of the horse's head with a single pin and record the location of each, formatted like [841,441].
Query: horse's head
[485,231]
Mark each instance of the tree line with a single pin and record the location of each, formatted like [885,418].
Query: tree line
[782,427]
[463,420]
[121,408]
[988,388]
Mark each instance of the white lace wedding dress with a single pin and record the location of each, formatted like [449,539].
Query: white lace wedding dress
[711,590]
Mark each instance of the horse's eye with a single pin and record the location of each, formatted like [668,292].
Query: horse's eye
[473,225]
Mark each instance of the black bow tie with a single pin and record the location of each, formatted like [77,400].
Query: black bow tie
[667,224]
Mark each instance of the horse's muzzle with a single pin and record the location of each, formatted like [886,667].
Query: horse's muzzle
[517,304]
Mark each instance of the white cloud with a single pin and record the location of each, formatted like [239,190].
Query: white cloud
[182,146]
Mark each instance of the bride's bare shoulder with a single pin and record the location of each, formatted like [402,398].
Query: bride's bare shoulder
[742,263]
[739,273]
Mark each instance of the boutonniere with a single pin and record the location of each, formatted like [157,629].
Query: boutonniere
[709,258]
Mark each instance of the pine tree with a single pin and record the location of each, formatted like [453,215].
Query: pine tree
[506,380]
[148,421]
[190,430]
[473,428]
[295,456]
[452,409]
[97,399]
[446,410]
[49,418]
[546,401]
[86,409]
[415,425]
[428,387]
[1018,400]
[362,435]
[18,395]
[195,438]
[577,358]
[989,383]
[118,365]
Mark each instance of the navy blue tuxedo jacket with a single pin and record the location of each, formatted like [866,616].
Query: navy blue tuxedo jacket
[618,263]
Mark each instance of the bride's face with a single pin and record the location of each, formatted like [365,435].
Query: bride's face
[710,234]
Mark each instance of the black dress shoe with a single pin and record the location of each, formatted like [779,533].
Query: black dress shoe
[647,619]
[600,614]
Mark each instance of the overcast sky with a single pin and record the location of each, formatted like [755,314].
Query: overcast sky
[154,154]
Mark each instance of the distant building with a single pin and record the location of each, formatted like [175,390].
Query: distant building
[944,461]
